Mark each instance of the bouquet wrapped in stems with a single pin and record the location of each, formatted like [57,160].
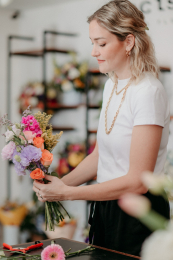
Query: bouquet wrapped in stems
[29,146]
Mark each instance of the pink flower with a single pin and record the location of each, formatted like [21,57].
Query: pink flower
[8,150]
[54,252]
[29,136]
[76,147]
[32,125]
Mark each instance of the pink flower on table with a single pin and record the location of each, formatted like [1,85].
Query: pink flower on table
[8,150]
[29,136]
[32,125]
[53,252]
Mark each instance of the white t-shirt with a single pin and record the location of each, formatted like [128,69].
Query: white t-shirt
[145,104]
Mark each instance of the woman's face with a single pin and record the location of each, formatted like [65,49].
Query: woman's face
[108,50]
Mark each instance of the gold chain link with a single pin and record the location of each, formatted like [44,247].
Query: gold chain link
[115,117]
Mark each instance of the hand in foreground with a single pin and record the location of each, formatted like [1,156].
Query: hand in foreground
[55,190]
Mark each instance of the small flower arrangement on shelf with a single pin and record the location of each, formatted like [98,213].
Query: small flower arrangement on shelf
[32,95]
[70,157]
[12,213]
[70,76]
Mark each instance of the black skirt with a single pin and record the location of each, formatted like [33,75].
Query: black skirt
[112,228]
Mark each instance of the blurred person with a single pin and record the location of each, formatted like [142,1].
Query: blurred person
[132,132]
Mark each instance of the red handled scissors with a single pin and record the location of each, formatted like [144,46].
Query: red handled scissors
[23,250]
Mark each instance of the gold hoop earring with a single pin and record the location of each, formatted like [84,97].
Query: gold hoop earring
[128,53]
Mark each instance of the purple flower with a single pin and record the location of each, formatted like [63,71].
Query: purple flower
[40,165]
[30,154]
[20,169]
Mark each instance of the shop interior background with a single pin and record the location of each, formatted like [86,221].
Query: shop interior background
[30,18]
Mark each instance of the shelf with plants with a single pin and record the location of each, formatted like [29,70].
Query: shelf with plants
[61,106]
[53,107]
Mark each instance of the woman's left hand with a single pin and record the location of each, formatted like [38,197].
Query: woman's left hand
[55,190]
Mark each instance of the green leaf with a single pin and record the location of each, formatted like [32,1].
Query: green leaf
[54,174]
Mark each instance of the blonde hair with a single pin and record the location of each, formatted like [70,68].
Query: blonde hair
[121,17]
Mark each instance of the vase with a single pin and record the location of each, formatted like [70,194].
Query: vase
[70,98]
[67,231]
[11,234]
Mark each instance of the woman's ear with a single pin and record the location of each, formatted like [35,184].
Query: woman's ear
[130,42]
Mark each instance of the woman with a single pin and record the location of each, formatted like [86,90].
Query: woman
[132,133]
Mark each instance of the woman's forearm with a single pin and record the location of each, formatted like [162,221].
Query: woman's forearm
[84,172]
[109,190]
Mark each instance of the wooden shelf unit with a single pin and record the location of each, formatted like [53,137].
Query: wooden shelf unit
[63,128]
[39,53]
[61,106]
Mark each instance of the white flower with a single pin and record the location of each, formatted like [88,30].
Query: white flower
[16,130]
[158,246]
[9,135]
[134,205]
[67,86]
[39,89]
[33,101]
[29,91]
[51,93]
[66,66]
[170,170]
[73,73]
[156,184]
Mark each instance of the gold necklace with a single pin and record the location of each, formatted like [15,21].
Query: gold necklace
[115,117]
[117,93]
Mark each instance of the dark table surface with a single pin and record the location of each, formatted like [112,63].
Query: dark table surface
[98,254]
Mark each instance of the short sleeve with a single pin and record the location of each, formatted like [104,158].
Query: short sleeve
[149,106]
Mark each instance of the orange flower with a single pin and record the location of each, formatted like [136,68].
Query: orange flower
[39,142]
[37,174]
[46,158]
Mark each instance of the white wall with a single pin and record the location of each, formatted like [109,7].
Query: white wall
[7,27]
[69,17]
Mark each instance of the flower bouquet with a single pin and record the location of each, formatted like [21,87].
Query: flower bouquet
[29,147]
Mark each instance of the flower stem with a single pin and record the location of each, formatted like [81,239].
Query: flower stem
[68,251]
[18,252]
[58,202]
[87,249]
